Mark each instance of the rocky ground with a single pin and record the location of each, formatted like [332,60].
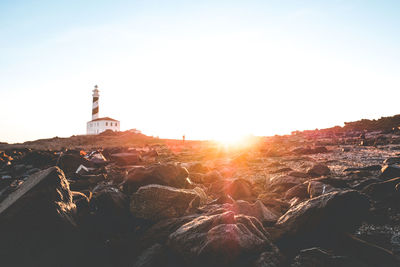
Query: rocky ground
[309,199]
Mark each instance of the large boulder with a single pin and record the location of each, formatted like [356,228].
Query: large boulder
[162,174]
[37,224]
[157,202]
[322,216]
[220,240]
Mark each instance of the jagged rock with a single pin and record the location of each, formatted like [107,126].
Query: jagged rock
[220,240]
[257,209]
[162,174]
[126,158]
[319,170]
[273,202]
[317,218]
[390,171]
[156,202]
[299,191]
[283,183]
[37,224]
[86,181]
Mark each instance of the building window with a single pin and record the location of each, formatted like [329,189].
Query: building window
[111,123]
[106,123]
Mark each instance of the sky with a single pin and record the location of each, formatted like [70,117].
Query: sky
[208,69]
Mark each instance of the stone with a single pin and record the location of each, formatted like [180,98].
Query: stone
[37,223]
[69,163]
[126,158]
[316,188]
[109,211]
[257,210]
[391,161]
[383,191]
[220,240]
[326,215]
[281,184]
[157,202]
[211,177]
[300,191]
[319,170]
[151,257]
[390,171]
[237,188]
[161,174]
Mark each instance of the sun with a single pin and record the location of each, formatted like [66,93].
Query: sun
[233,140]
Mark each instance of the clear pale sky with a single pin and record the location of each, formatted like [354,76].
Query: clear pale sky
[207,69]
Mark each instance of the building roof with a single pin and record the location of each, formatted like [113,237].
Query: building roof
[104,119]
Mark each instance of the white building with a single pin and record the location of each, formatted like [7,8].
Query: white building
[98,125]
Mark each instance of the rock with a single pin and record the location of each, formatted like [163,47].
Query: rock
[316,188]
[109,211]
[258,210]
[298,174]
[69,163]
[390,171]
[151,257]
[270,258]
[37,224]
[367,168]
[309,151]
[319,170]
[283,183]
[299,191]
[127,158]
[323,216]
[157,202]
[238,188]
[317,257]
[211,177]
[383,191]
[220,240]
[391,161]
[272,201]
[162,174]
[40,159]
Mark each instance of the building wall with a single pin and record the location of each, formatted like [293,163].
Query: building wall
[96,127]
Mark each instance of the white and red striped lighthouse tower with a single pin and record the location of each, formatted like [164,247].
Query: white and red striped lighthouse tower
[95,107]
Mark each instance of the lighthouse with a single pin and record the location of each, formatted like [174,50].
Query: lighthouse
[95,106]
[98,125]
